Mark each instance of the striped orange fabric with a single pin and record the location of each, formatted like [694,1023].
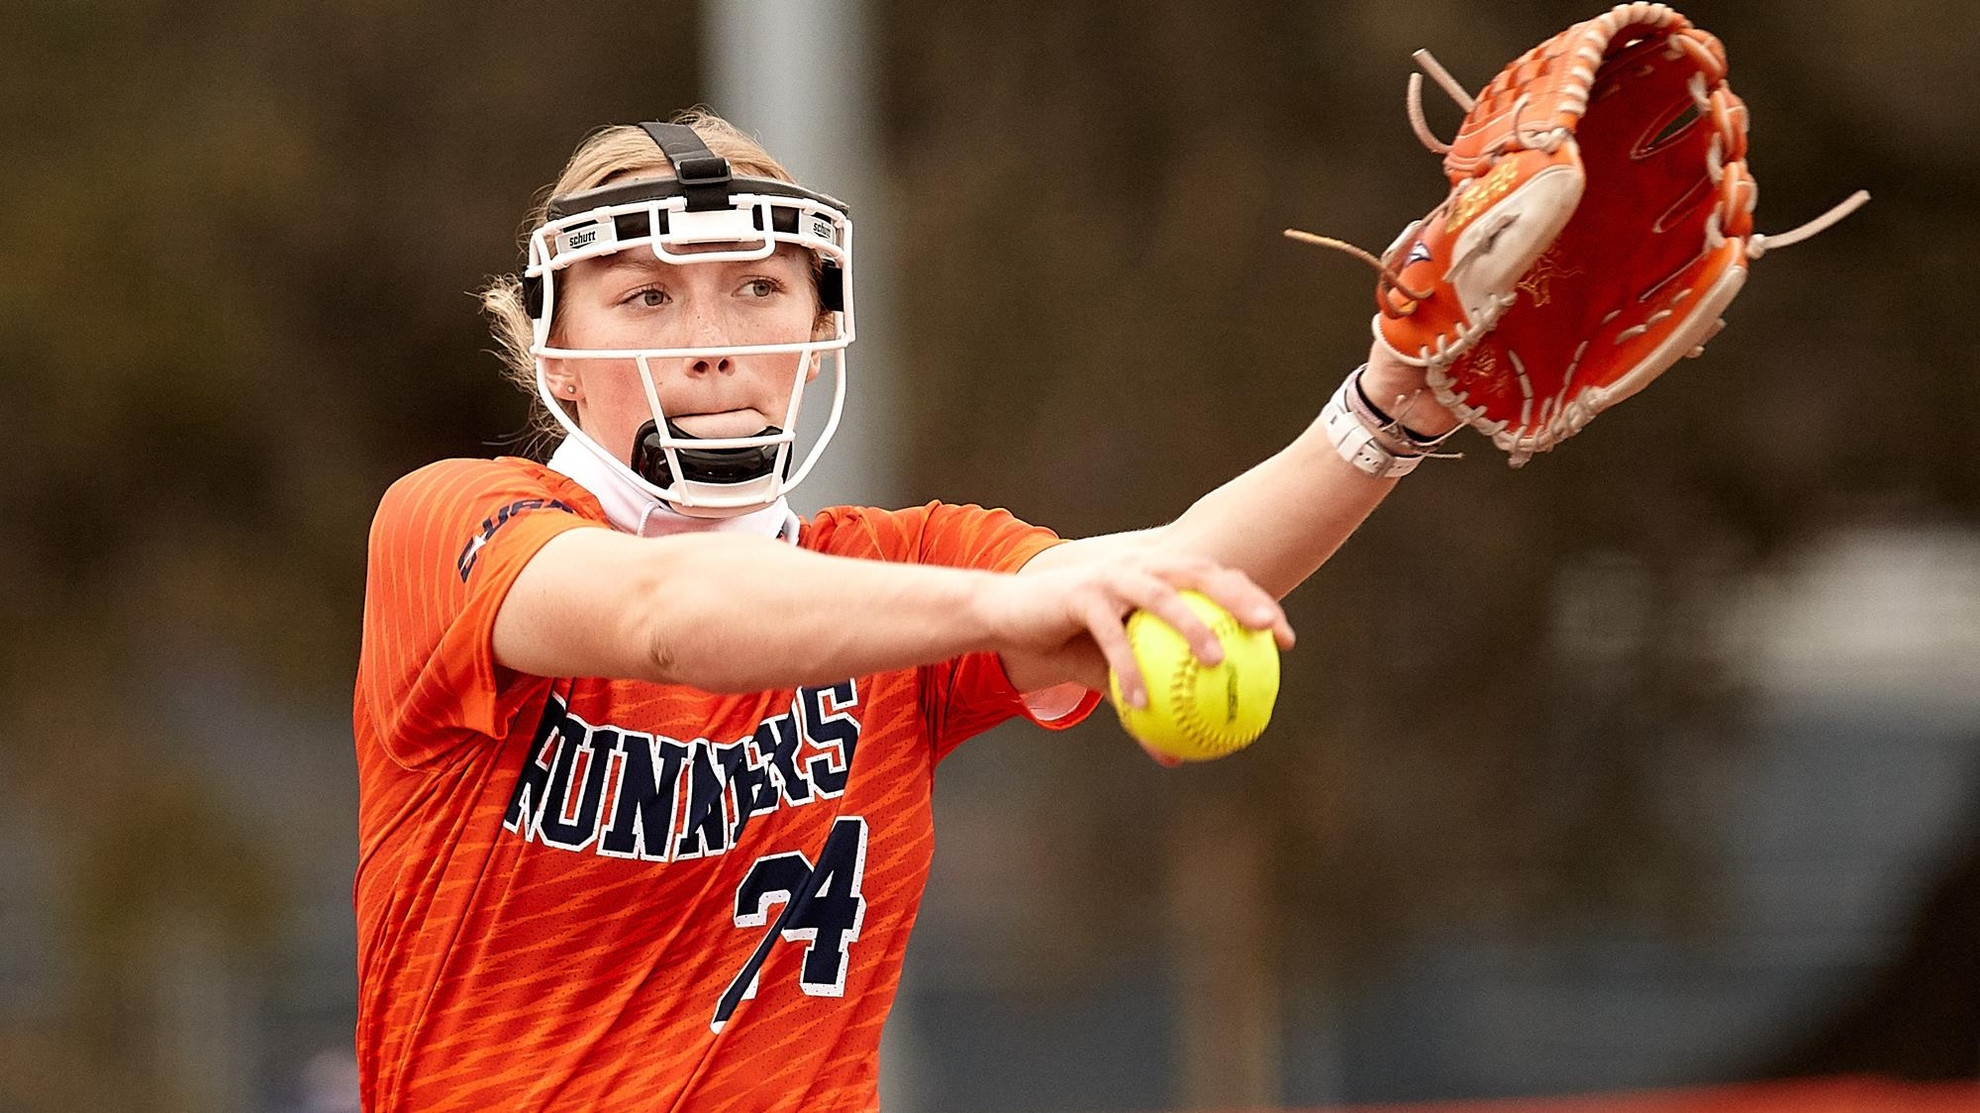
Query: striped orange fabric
[607,894]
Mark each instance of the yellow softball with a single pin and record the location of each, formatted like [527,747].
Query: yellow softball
[1195,711]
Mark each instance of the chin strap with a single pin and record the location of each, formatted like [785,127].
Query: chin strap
[700,465]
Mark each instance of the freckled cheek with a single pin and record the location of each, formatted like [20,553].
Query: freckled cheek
[775,376]
[615,404]
[785,324]
[628,334]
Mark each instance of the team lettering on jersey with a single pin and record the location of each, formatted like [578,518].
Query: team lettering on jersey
[627,794]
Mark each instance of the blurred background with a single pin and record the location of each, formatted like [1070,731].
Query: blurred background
[1654,764]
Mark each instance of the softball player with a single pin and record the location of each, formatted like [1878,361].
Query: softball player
[645,760]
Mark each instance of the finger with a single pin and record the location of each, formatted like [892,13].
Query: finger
[1266,613]
[1166,761]
[1103,622]
[1160,598]
[1229,588]
[1252,605]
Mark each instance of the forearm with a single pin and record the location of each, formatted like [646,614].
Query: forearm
[769,615]
[1282,519]
[725,613]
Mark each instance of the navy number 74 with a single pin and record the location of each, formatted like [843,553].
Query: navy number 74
[822,908]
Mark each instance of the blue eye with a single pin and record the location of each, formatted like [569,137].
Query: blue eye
[649,297]
[761,287]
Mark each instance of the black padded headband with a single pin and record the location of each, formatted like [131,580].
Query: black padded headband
[703,174]
[655,189]
[703,177]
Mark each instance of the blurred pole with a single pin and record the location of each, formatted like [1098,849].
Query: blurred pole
[1229,1052]
[797,74]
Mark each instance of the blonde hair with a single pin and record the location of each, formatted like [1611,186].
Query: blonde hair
[612,152]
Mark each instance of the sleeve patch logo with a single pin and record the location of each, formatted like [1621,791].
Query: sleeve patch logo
[471,552]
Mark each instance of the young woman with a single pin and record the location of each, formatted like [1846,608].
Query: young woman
[645,761]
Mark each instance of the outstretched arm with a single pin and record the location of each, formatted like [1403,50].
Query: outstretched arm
[1274,525]
[727,613]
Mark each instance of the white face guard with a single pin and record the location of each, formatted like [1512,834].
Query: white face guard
[715,476]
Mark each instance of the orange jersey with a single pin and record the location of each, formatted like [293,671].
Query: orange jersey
[612,894]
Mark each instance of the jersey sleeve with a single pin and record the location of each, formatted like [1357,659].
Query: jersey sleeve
[968,695]
[448,542]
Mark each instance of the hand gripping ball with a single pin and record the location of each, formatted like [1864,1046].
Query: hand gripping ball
[1197,712]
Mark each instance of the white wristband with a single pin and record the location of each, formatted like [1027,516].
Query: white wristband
[1360,445]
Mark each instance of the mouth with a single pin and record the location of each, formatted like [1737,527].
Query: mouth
[744,422]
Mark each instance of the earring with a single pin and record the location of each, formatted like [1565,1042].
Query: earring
[570,388]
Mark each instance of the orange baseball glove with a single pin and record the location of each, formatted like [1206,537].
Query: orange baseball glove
[1600,220]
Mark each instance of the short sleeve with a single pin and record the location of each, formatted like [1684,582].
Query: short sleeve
[970,694]
[448,542]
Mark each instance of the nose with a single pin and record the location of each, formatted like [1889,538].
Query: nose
[709,332]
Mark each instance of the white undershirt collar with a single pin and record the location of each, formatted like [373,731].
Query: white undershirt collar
[634,511]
